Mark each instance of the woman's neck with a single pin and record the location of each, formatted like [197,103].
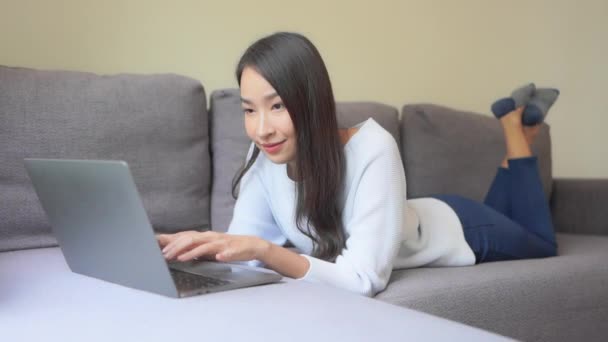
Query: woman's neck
[346,134]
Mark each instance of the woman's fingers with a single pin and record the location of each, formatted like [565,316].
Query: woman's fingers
[186,242]
[178,246]
[163,239]
[189,245]
[207,249]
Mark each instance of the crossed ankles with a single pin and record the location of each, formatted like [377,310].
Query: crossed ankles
[536,101]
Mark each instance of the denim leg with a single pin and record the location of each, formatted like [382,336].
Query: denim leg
[529,206]
[492,236]
[498,196]
[505,239]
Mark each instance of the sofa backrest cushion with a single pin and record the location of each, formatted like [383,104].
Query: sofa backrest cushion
[448,151]
[229,143]
[158,124]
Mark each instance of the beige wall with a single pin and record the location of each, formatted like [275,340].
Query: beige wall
[463,54]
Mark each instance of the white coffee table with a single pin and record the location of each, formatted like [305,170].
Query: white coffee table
[42,300]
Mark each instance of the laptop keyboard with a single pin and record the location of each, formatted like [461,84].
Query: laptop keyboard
[185,281]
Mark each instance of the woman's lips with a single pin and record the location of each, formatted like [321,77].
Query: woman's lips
[273,148]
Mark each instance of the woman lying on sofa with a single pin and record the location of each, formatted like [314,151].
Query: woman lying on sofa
[338,195]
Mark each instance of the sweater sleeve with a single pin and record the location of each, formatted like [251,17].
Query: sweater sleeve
[252,214]
[374,229]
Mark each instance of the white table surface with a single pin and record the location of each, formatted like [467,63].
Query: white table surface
[42,300]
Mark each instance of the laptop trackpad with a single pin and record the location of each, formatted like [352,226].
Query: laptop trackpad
[201,267]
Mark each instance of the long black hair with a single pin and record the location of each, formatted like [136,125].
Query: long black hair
[295,69]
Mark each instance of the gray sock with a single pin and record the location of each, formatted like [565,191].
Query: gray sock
[522,95]
[519,97]
[539,105]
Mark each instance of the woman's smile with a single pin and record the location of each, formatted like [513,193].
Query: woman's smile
[273,147]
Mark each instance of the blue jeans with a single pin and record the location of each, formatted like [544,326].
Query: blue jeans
[514,222]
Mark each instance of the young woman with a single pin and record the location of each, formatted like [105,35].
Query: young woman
[339,195]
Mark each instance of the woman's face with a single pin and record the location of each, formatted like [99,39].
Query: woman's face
[267,121]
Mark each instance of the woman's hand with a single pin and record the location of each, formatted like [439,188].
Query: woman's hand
[188,245]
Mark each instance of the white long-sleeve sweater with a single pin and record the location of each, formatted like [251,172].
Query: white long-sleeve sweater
[383,230]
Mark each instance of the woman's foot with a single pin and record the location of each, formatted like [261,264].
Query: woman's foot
[513,118]
[531,132]
[539,105]
[516,139]
[519,98]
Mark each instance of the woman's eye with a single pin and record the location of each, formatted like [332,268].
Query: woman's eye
[277,106]
[247,110]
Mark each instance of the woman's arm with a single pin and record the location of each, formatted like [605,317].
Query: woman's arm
[252,236]
[284,261]
[375,228]
[364,266]
[375,232]
[186,246]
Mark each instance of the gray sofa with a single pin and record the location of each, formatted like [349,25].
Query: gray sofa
[183,155]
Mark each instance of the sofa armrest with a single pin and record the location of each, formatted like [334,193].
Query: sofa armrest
[580,206]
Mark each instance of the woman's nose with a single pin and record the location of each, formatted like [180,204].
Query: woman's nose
[264,127]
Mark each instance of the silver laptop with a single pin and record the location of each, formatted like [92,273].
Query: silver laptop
[102,228]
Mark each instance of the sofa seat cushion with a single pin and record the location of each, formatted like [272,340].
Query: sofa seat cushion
[551,299]
[156,123]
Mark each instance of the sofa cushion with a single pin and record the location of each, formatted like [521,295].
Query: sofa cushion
[351,113]
[229,145]
[156,123]
[448,151]
[229,142]
[531,300]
